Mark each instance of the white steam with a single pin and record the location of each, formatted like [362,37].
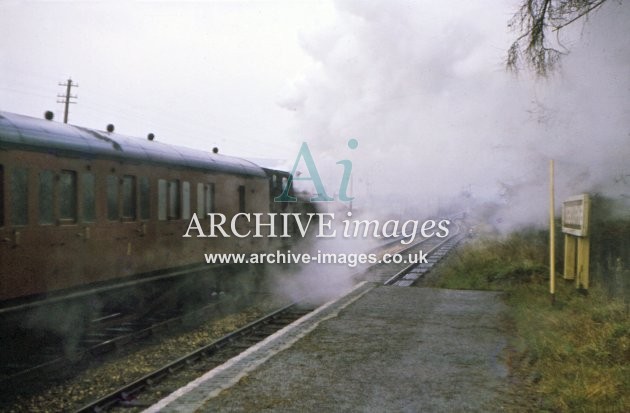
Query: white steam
[422,86]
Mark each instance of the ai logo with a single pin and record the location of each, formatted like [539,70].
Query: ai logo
[305,154]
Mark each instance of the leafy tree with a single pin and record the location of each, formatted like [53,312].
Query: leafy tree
[539,23]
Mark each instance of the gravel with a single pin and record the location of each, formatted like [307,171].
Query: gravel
[114,370]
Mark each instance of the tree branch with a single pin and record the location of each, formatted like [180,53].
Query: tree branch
[534,20]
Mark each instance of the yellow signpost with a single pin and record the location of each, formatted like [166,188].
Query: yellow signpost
[575,226]
[552,236]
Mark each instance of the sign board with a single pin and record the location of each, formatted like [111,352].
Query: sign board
[575,211]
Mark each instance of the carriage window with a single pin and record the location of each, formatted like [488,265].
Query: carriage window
[173,199]
[241,198]
[112,197]
[46,183]
[201,201]
[162,198]
[129,197]
[274,181]
[19,196]
[205,199]
[185,200]
[1,196]
[68,195]
[89,201]
[209,198]
[145,200]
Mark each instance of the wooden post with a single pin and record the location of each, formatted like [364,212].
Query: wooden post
[569,257]
[583,261]
[552,237]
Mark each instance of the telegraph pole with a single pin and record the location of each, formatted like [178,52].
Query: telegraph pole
[65,99]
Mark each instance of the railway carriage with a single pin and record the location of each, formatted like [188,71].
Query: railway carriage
[81,207]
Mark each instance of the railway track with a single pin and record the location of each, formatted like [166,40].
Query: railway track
[30,353]
[105,334]
[116,332]
[148,389]
[113,331]
[411,273]
[417,259]
[144,392]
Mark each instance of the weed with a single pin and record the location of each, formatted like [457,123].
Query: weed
[574,355]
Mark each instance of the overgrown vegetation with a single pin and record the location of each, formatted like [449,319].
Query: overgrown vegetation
[573,356]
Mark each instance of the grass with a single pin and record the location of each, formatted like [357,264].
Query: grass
[573,356]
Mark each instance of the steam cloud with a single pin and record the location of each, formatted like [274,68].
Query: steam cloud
[423,87]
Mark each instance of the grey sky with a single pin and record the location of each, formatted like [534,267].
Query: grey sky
[198,74]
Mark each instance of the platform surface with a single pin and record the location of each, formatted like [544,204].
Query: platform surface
[385,349]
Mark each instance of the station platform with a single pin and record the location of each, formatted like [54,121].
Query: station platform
[375,349]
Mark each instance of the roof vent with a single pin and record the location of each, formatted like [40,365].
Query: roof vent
[150,136]
[110,128]
[215,150]
[48,115]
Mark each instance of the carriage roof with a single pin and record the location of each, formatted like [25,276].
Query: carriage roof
[33,134]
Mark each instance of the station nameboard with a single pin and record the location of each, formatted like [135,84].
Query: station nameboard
[575,211]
